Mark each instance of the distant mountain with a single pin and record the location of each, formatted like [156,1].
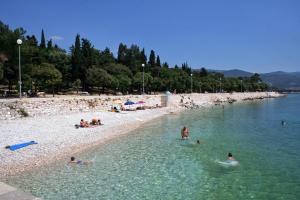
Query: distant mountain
[236,73]
[279,79]
[283,80]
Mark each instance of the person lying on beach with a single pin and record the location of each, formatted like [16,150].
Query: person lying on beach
[96,121]
[83,123]
[185,133]
[79,162]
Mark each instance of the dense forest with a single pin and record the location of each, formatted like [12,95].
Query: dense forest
[47,67]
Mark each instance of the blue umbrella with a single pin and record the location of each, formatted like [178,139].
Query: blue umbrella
[128,103]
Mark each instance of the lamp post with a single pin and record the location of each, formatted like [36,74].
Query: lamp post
[220,85]
[191,83]
[143,66]
[19,42]
[241,85]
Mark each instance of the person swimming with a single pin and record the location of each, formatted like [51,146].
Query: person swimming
[230,157]
[198,141]
[283,123]
[230,162]
[73,160]
[184,133]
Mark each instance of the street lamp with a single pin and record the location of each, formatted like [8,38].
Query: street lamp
[241,85]
[19,42]
[191,83]
[220,85]
[143,66]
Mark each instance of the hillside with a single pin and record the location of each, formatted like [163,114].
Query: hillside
[279,79]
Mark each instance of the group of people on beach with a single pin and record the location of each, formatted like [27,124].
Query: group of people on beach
[185,136]
[85,124]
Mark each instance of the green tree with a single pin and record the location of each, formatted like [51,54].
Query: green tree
[77,84]
[49,44]
[76,58]
[99,78]
[138,81]
[43,41]
[158,61]
[121,53]
[152,59]
[46,76]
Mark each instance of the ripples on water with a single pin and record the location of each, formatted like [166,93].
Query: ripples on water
[153,163]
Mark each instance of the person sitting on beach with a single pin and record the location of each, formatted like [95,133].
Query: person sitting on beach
[185,133]
[96,121]
[83,123]
[79,162]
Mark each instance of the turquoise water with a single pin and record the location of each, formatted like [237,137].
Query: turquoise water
[153,163]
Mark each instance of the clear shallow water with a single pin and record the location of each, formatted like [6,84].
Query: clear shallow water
[153,163]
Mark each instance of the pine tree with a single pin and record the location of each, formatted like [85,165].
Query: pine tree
[49,44]
[158,61]
[143,57]
[165,65]
[76,58]
[152,59]
[43,41]
[121,53]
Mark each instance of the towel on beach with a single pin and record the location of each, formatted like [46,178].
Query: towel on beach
[19,146]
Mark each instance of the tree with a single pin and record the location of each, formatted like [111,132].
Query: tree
[121,53]
[203,72]
[152,59]
[1,71]
[76,58]
[43,41]
[165,65]
[158,61]
[143,57]
[138,80]
[99,78]
[77,84]
[46,75]
[49,44]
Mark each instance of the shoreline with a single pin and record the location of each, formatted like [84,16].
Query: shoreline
[58,139]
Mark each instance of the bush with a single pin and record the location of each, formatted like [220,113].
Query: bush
[23,112]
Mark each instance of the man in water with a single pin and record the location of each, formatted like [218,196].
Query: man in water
[184,133]
[283,123]
[79,162]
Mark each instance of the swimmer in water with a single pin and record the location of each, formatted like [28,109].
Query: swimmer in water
[198,141]
[184,133]
[79,162]
[283,123]
[230,157]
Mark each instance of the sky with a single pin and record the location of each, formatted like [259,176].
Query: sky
[251,35]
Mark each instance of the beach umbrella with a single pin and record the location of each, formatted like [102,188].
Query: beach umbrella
[128,103]
[140,102]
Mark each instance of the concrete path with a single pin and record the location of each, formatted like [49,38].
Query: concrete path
[10,193]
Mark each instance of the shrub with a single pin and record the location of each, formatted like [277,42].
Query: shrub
[23,112]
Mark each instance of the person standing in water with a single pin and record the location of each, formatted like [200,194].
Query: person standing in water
[185,133]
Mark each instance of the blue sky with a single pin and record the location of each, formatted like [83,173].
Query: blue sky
[253,35]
